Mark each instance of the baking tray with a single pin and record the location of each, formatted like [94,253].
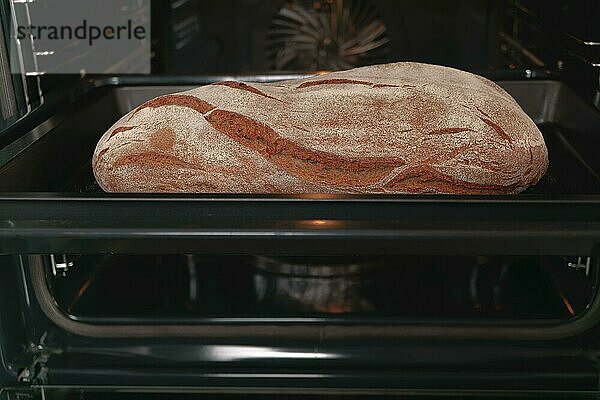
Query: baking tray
[50,202]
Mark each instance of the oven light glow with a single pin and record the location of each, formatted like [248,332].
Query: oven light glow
[321,223]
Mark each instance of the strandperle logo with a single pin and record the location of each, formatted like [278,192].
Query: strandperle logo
[80,37]
[84,31]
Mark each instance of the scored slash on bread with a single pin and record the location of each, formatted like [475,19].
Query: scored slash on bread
[392,128]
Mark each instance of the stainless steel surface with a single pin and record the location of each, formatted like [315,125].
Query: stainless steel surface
[534,34]
[60,264]
[20,92]
[22,143]
[8,105]
[21,54]
[585,42]
[582,264]
[299,392]
[517,45]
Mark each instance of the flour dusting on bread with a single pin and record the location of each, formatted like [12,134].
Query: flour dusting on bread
[392,128]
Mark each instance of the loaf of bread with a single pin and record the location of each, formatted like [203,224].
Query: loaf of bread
[393,128]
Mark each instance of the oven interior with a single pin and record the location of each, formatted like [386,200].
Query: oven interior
[169,287]
[203,324]
[155,288]
[169,323]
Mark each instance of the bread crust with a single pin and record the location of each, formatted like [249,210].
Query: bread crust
[391,128]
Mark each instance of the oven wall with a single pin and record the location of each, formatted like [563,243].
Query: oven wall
[14,310]
[454,32]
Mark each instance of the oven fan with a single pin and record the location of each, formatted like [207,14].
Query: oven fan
[326,35]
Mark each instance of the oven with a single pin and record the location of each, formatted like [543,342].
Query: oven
[304,296]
